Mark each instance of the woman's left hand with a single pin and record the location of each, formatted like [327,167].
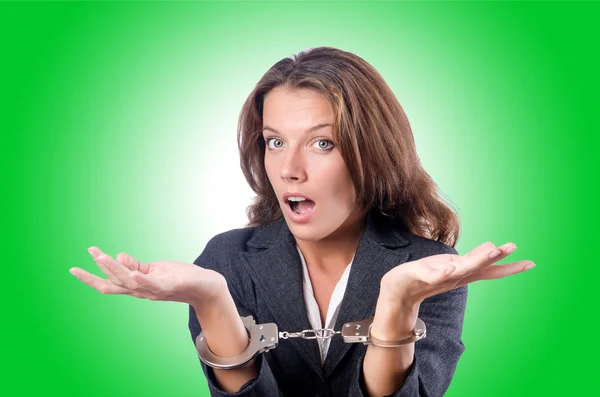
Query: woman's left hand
[410,283]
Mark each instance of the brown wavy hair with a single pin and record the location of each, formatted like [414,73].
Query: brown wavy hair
[372,133]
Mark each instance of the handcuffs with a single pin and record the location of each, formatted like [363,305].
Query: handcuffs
[265,337]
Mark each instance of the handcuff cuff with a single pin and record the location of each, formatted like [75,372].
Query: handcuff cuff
[265,337]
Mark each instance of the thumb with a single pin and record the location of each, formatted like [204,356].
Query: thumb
[131,263]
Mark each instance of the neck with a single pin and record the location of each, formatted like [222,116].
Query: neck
[333,253]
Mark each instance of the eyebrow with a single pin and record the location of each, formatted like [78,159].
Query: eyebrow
[311,129]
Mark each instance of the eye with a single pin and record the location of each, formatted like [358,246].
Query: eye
[277,143]
[324,144]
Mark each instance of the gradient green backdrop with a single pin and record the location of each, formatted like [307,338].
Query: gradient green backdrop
[118,130]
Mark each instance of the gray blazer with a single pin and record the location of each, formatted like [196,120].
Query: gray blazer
[264,274]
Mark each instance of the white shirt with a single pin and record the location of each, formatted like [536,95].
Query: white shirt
[312,308]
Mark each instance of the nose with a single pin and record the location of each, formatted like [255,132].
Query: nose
[293,166]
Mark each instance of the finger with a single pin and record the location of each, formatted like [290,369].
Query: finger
[507,249]
[498,271]
[98,283]
[131,263]
[95,252]
[122,274]
[482,256]
[147,282]
[480,249]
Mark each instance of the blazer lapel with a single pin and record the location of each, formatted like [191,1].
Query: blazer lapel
[277,272]
[375,256]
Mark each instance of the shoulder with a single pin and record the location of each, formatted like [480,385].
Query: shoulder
[225,245]
[234,241]
[231,240]
[391,233]
[223,250]
[421,247]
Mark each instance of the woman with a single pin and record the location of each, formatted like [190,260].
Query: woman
[344,209]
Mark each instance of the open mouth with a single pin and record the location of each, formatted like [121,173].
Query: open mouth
[301,207]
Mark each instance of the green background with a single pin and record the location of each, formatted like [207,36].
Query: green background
[118,130]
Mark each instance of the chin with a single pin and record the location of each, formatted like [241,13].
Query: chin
[308,232]
[304,232]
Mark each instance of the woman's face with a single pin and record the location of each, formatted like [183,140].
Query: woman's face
[301,160]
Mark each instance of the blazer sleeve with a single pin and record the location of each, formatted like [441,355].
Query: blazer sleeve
[265,385]
[436,355]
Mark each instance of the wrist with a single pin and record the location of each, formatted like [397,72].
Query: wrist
[390,298]
[204,299]
[222,326]
[394,318]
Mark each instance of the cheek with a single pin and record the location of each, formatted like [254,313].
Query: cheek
[336,180]
[347,187]
[270,169]
[269,172]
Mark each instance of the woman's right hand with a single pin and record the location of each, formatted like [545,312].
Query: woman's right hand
[162,280]
[204,289]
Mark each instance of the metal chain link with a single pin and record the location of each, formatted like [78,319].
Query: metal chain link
[323,333]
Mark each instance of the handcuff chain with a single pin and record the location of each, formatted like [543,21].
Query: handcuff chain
[322,333]
[264,337]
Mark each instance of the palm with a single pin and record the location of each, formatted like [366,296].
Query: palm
[161,280]
[182,277]
[414,281]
